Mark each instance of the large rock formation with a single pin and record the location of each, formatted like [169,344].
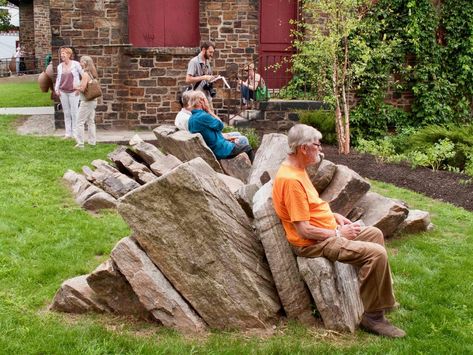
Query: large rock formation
[238,167]
[146,151]
[184,145]
[291,289]
[194,230]
[153,289]
[335,289]
[126,164]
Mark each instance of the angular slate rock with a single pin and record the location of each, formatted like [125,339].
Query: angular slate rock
[110,179]
[112,288]
[294,295]
[154,291]
[184,145]
[130,166]
[232,183]
[146,151]
[382,212]
[417,221]
[336,291]
[345,189]
[322,175]
[244,196]
[238,167]
[269,156]
[76,296]
[164,164]
[194,230]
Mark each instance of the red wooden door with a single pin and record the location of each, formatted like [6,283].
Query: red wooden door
[275,40]
[163,23]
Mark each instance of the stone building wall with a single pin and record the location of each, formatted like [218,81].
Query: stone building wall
[140,84]
[26,14]
[42,32]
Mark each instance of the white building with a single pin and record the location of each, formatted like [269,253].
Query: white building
[8,40]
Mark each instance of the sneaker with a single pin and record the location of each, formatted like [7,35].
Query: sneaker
[381,326]
[79,146]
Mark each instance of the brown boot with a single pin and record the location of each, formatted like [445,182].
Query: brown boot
[376,323]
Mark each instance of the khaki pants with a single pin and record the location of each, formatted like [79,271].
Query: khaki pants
[86,115]
[367,252]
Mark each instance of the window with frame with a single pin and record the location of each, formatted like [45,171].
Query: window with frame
[163,23]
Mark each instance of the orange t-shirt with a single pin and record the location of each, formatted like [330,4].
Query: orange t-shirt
[295,199]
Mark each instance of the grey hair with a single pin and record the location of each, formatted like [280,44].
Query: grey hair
[186,96]
[301,134]
[89,65]
[195,97]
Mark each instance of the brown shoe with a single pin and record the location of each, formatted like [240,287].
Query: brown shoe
[381,326]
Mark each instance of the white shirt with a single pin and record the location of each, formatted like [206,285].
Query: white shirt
[182,119]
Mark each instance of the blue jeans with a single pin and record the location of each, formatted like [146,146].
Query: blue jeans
[246,94]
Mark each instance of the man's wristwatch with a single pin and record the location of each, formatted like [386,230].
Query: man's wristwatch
[338,234]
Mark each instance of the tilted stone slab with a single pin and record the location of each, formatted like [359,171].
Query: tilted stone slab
[194,230]
[153,290]
[110,179]
[76,296]
[164,164]
[336,291]
[125,163]
[87,195]
[269,156]
[294,295]
[417,221]
[345,189]
[185,146]
[238,167]
[232,183]
[244,196]
[112,288]
[146,151]
[382,212]
[322,175]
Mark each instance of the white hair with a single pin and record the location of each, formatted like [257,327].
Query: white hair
[301,134]
[195,97]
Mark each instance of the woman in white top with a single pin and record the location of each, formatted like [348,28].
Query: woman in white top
[87,107]
[68,77]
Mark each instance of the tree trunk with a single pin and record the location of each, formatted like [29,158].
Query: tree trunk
[338,113]
[346,108]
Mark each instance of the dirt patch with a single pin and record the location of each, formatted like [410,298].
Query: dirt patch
[441,185]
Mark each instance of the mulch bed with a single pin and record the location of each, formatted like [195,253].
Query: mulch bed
[440,185]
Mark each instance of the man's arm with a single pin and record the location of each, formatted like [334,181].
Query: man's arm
[308,231]
[195,79]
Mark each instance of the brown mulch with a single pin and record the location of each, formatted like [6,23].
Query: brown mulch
[440,185]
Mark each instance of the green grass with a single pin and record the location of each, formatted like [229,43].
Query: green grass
[23,95]
[45,238]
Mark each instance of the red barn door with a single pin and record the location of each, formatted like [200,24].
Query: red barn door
[275,40]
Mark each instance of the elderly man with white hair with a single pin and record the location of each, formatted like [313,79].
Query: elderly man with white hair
[313,230]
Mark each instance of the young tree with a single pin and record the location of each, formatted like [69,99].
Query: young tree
[5,17]
[322,44]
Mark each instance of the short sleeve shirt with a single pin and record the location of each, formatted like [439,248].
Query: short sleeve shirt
[197,67]
[295,199]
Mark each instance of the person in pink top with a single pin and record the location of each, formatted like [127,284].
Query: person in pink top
[67,79]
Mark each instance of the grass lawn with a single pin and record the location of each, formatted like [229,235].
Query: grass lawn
[23,94]
[45,238]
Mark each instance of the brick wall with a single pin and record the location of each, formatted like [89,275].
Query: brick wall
[140,84]
[27,29]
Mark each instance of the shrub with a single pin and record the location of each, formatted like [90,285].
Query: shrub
[434,156]
[382,149]
[322,120]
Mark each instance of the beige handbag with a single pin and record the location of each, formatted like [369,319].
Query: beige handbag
[92,90]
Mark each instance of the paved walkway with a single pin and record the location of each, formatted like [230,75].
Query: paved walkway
[47,110]
[41,123]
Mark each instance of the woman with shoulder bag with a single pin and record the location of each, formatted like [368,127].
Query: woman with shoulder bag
[68,77]
[87,107]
